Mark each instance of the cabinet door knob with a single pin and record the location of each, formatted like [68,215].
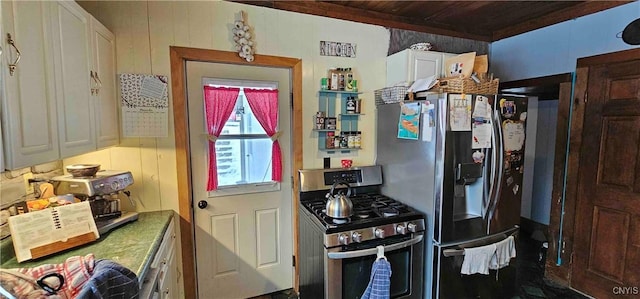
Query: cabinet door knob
[203,204]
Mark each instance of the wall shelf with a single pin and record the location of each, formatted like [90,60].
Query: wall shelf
[328,100]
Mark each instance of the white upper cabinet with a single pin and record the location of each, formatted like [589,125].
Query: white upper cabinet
[60,99]
[72,52]
[29,119]
[409,65]
[106,101]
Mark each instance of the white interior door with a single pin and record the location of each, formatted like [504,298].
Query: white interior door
[243,241]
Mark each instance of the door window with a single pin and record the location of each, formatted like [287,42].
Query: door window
[243,149]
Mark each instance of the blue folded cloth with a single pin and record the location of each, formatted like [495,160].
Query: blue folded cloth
[110,280]
[380,281]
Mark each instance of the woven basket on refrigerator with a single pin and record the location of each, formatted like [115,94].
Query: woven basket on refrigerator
[389,95]
[467,85]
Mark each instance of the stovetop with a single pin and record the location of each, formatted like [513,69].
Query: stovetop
[369,210]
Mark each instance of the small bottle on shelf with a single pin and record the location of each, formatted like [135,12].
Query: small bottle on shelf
[330,140]
[358,140]
[351,140]
[351,105]
[337,140]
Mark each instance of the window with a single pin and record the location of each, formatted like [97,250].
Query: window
[243,149]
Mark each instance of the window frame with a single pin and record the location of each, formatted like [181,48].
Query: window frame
[248,188]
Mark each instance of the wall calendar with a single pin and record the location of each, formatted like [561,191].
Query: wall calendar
[145,105]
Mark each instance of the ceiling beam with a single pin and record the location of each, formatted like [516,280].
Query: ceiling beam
[337,11]
[578,10]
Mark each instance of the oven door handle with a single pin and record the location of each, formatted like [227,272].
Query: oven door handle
[373,251]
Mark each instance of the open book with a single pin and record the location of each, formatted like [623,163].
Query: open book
[51,230]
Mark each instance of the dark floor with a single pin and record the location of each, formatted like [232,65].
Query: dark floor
[530,273]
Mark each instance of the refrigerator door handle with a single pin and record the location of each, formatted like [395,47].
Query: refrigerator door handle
[497,187]
[492,176]
[458,250]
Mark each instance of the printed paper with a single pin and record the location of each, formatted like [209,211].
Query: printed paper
[460,112]
[481,135]
[409,121]
[145,105]
[514,135]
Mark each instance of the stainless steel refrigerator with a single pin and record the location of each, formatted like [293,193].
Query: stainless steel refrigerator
[464,171]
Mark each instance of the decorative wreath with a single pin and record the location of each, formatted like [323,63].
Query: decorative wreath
[242,37]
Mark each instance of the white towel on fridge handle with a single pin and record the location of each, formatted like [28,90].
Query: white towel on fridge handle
[505,250]
[477,259]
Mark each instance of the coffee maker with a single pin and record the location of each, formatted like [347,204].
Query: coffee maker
[103,191]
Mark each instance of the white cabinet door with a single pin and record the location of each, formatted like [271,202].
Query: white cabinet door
[409,65]
[71,40]
[106,101]
[28,103]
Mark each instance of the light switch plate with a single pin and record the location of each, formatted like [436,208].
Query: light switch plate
[27,186]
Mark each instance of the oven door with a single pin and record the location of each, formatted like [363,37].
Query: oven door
[348,268]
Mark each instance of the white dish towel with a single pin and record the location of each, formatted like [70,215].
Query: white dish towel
[477,259]
[505,250]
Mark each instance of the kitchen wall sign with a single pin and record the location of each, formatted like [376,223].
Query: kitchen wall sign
[145,105]
[338,49]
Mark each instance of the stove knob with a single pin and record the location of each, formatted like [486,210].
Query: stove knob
[343,239]
[401,229]
[356,237]
[379,233]
[412,227]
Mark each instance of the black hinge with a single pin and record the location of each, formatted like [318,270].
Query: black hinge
[293,260]
[291,100]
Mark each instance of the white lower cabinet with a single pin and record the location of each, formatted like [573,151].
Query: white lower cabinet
[161,280]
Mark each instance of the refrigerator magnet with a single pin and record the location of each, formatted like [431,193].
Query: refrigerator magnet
[508,108]
[477,157]
[515,189]
[523,116]
[509,181]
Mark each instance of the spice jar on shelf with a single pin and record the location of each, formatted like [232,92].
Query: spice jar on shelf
[358,140]
[330,140]
[337,140]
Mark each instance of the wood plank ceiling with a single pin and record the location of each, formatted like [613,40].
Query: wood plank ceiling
[478,20]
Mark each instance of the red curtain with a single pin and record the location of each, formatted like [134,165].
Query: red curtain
[264,104]
[219,103]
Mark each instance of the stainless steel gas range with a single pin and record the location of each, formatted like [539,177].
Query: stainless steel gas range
[335,255]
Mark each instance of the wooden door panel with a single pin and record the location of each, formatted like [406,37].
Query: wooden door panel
[608,250]
[624,89]
[607,223]
[618,151]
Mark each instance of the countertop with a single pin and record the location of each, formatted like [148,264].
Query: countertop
[132,245]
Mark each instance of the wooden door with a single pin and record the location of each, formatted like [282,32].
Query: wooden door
[607,229]
[243,241]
